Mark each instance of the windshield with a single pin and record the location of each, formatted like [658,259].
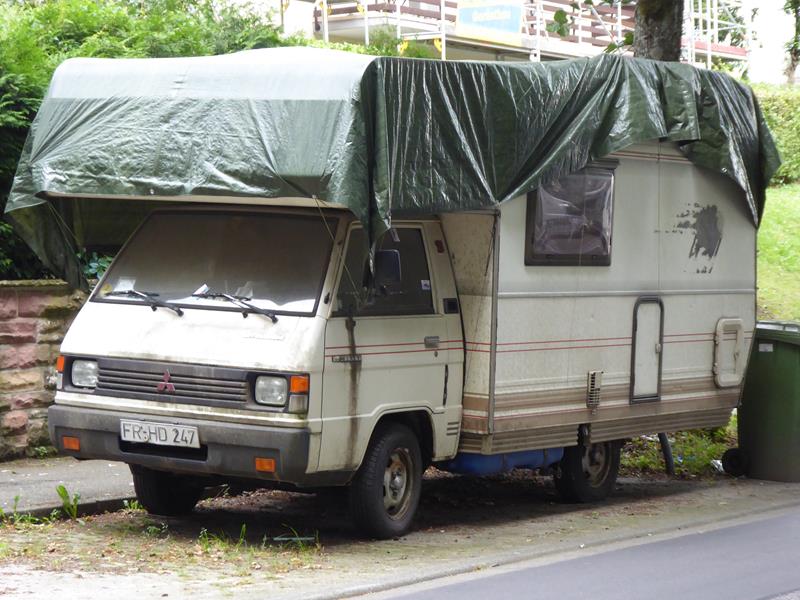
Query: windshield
[275,261]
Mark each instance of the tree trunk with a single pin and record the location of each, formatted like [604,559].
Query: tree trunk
[659,25]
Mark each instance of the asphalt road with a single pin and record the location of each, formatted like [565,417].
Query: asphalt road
[751,561]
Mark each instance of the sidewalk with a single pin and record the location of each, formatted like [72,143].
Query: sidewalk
[102,485]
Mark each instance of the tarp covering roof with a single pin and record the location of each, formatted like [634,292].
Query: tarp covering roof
[379,135]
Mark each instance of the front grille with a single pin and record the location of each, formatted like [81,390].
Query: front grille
[171,382]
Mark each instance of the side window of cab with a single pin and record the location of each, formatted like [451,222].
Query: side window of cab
[409,292]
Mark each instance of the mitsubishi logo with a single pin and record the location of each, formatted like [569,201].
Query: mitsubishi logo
[165,385]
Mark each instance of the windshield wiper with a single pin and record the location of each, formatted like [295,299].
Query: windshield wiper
[240,301]
[148,297]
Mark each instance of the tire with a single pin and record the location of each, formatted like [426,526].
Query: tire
[384,495]
[588,474]
[163,493]
[734,462]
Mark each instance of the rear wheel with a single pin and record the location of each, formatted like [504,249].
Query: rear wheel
[587,473]
[165,493]
[385,492]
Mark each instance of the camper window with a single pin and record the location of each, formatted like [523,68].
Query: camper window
[569,221]
[411,296]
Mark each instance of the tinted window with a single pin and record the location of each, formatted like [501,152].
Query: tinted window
[411,296]
[278,261]
[569,221]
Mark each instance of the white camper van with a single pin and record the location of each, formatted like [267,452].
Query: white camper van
[359,266]
[247,340]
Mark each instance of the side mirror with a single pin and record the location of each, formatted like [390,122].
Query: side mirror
[387,268]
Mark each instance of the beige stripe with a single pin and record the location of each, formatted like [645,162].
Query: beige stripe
[576,396]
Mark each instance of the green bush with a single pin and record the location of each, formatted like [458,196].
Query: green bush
[781,106]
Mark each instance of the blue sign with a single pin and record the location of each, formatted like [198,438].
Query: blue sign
[491,20]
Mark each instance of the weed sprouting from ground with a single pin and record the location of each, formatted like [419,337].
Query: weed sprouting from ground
[43,452]
[156,530]
[69,504]
[21,519]
[132,506]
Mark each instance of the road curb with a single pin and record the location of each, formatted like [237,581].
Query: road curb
[92,507]
[486,564]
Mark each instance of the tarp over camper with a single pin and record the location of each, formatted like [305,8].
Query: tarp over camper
[378,135]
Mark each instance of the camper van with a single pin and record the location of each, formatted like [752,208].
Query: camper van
[341,269]
[252,342]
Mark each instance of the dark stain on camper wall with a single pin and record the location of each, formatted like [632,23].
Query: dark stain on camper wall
[705,222]
[707,232]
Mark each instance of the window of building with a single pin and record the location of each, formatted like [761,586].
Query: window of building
[412,296]
[569,221]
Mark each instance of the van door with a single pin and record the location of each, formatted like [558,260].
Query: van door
[646,352]
[384,353]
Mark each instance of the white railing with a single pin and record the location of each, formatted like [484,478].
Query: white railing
[708,27]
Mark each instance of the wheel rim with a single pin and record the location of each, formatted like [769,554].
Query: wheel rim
[398,483]
[596,463]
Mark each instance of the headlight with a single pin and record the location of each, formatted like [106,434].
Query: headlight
[84,373]
[271,391]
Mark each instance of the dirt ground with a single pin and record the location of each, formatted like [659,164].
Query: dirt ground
[287,544]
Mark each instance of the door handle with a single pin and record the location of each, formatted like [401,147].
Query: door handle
[431,341]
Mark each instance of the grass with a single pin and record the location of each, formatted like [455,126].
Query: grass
[692,451]
[779,255]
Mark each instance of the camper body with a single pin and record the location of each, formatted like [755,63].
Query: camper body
[292,363]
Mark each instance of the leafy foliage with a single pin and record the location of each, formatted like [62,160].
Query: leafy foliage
[693,451]
[94,265]
[16,259]
[781,106]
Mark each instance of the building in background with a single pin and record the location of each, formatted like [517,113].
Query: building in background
[744,35]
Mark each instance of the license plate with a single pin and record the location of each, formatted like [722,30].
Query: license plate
[161,434]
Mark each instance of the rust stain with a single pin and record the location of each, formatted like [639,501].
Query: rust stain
[355,376]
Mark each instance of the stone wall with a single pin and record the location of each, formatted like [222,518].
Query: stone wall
[34,315]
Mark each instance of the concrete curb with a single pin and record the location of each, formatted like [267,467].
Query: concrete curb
[91,507]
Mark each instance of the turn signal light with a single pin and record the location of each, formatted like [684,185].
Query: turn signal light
[71,443]
[60,364]
[265,465]
[298,384]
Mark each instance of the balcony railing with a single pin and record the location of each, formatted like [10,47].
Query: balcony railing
[589,29]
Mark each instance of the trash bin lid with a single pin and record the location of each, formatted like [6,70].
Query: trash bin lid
[779,331]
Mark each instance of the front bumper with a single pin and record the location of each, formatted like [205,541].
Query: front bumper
[228,449]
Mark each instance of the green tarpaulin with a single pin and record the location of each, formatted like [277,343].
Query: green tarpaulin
[378,135]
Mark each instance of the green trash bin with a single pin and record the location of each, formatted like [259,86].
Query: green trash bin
[769,416]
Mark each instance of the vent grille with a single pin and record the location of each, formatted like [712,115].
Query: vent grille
[593,385]
[173,383]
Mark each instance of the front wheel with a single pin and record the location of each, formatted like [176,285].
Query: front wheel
[588,473]
[385,492]
[164,493]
